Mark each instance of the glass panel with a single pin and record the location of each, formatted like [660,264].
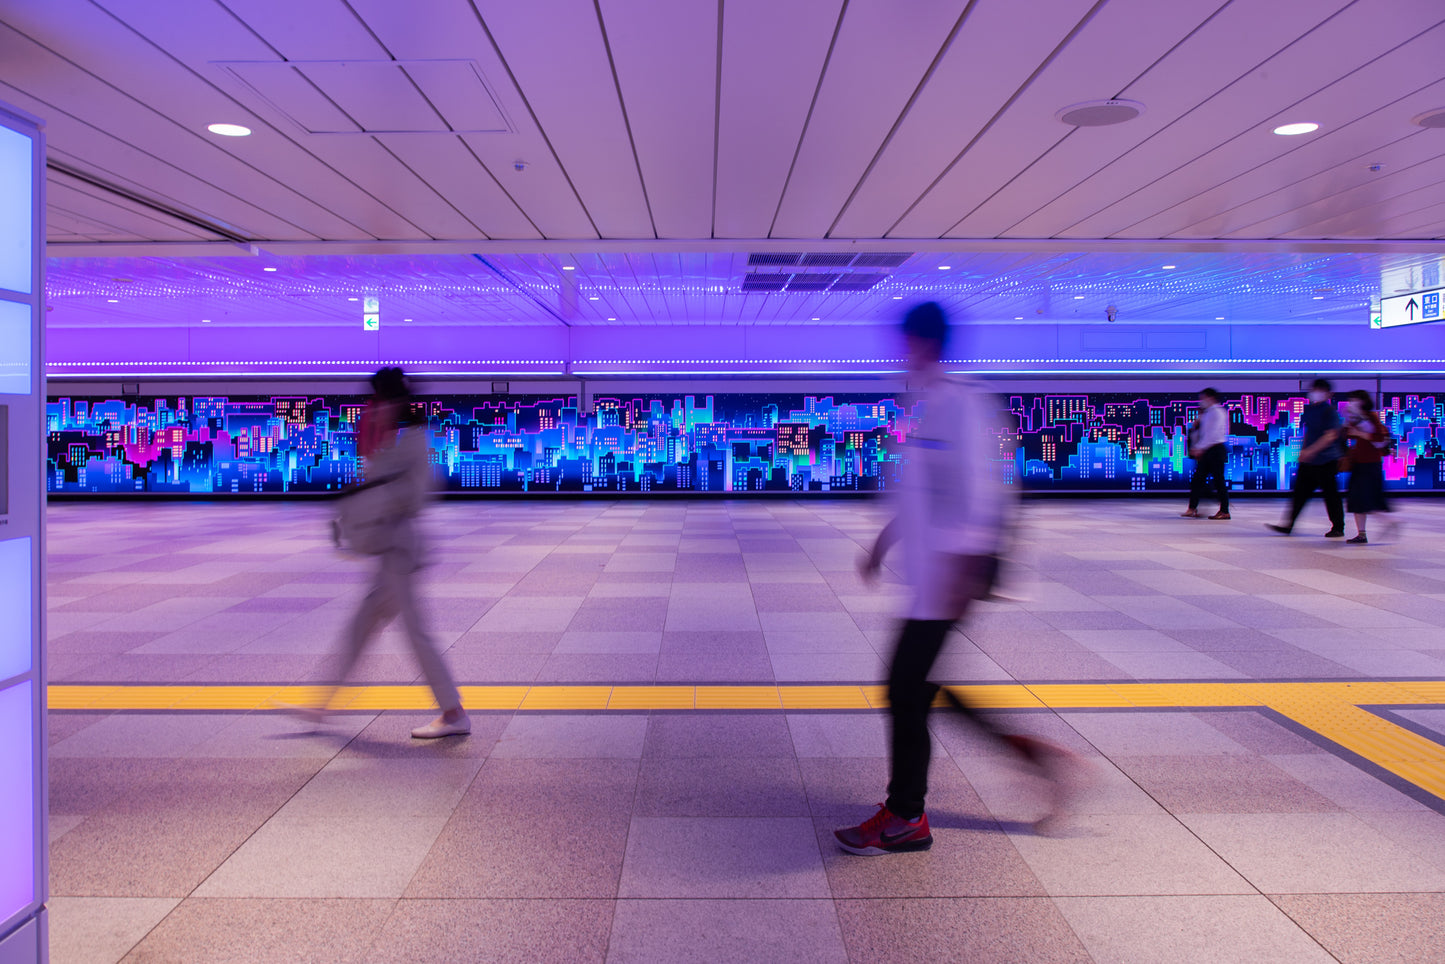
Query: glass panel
[16,634]
[14,348]
[17,800]
[17,198]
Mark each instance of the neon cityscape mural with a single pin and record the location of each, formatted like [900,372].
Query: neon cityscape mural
[739,443]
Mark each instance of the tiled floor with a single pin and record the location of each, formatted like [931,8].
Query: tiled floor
[1211,831]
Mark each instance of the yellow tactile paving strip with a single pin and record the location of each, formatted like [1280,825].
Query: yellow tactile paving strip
[1331,709]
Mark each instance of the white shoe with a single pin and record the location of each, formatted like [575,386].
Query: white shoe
[439,727]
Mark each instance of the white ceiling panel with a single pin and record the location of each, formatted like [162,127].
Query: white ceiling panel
[379,124]
[1332,160]
[666,57]
[1232,43]
[1356,212]
[881,54]
[455,174]
[125,218]
[1282,91]
[564,71]
[451,29]
[985,65]
[1094,64]
[771,63]
[134,94]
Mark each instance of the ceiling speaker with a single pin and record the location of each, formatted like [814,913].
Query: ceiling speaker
[1431,118]
[1100,113]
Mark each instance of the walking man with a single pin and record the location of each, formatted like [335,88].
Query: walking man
[1211,433]
[1319,460]
[950,520]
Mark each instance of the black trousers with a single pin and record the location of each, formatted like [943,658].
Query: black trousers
[1322,477]
[910,695]
[1210,465]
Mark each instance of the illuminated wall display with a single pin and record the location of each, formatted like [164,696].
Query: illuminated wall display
[17,796]
[22,609]
[734,442]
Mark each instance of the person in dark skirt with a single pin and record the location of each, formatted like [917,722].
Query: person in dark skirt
[1368,439]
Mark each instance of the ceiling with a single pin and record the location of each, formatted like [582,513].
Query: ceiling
[637,120]
[700,288]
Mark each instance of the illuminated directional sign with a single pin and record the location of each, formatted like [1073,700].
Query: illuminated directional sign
[1410,309]
[371,313]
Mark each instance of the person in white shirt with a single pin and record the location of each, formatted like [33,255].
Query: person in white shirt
[1207,446]
[951,516]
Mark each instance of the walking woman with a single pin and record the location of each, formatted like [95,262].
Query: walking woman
[1367,437]
[394,450]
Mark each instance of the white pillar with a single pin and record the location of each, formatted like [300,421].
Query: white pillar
[23,811]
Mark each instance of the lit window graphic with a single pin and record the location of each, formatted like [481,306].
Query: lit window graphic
[14,348]
[16,173]
[15,603]
[724,442]
[17,800]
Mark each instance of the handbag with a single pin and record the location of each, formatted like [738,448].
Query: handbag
[366,517]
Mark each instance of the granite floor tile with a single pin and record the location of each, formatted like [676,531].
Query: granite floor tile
[1313,853]
[265,930]
[542,736]
[754,735]
[763,857]
[101,930]
[1000,931]
[423,931]
[1222,783]
[644,931]
[1246,929]
[1371,928]
[321,856]
[720,786]
[1130,854]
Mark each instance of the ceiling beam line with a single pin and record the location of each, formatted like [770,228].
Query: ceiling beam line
[150,204]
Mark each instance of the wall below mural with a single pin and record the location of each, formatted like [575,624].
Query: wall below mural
[683,443]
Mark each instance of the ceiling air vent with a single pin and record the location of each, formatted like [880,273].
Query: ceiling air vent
[1100,113]
[827,260]
[765,282]
[858,281]
[816,281]
[771,258]
[882,259]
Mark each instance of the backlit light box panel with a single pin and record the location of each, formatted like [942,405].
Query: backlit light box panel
[714,443]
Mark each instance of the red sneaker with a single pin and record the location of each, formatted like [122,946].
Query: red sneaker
[885,833]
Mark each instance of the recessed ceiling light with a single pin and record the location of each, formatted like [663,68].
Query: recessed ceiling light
[817,319]
[205,321]
[1018,317]
[1170,267]
[113,301]
[569,267]
[897,297]
[406,319]
[592,298]
[945,267]
[611,319]
[1318,298]
[1289,130]
[351,299]
[1078,297]
[1218,317]
[229,130]
[268,269]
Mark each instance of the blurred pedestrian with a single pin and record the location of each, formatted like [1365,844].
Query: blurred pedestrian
[393,447]
[1208,447]
[1368,438]
[1319,461]
[951,517]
